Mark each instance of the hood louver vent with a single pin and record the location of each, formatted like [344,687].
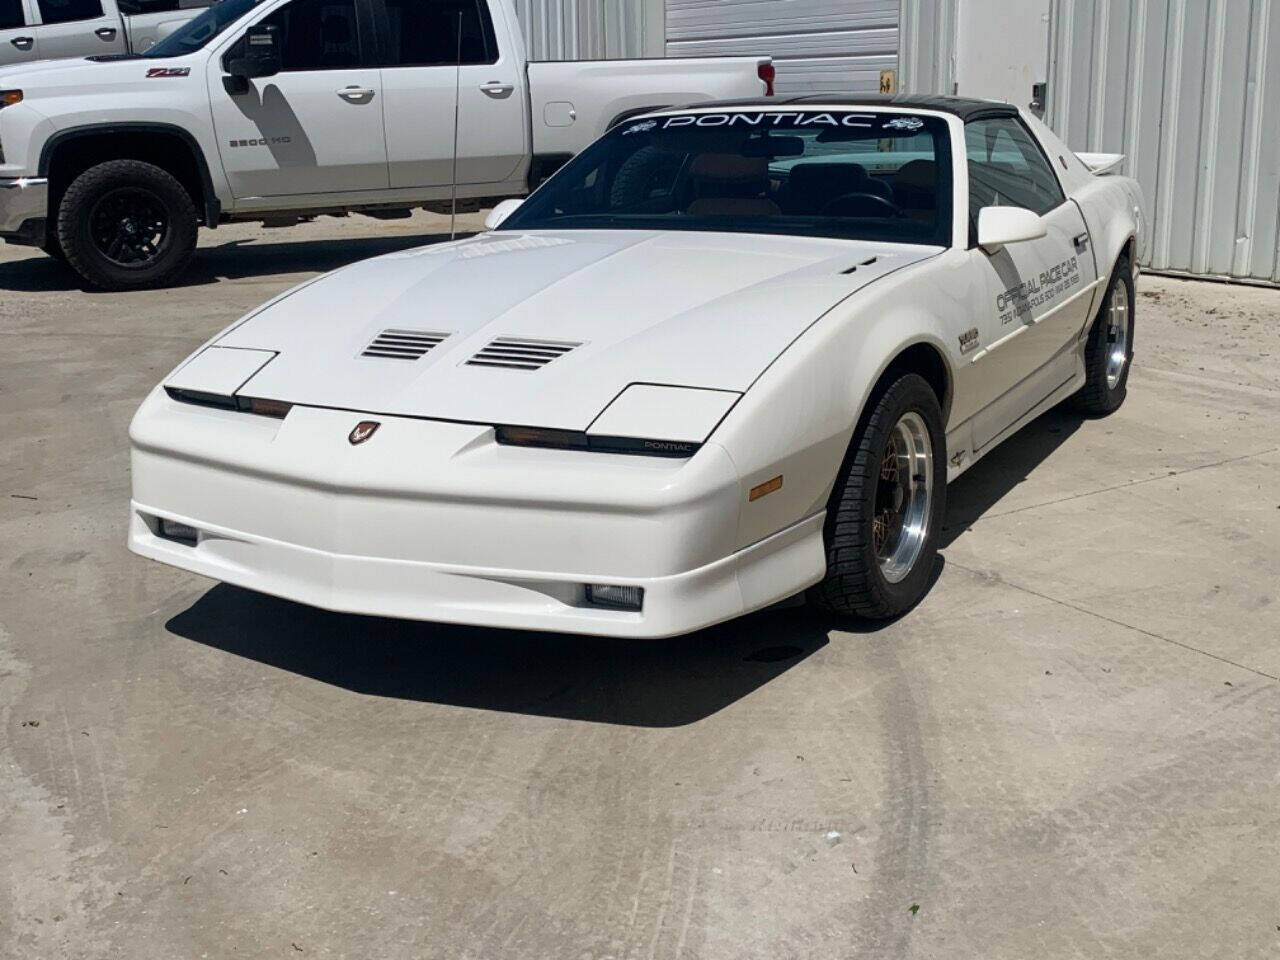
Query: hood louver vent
[402,344]
[516,354]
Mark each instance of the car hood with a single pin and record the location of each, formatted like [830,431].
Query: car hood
[42,78]
[684,309]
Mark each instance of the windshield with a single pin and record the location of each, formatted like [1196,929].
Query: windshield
[864,176]
[194,34]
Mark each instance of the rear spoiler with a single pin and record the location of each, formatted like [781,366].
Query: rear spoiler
[1101,164]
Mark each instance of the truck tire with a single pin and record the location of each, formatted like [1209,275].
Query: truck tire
[886,510]
[125,225]
[1108,353]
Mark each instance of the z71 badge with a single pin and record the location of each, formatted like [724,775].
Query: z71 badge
[155,72]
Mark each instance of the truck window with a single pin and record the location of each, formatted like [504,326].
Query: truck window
[194,34]
[424,33]
[10,14]
[67,11]
[317,35]
[134,8]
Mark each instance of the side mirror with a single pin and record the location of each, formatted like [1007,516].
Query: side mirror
[499,213]
[261,54]
[998,226]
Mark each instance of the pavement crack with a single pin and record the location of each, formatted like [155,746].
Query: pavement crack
[1112,620]
[1123,486]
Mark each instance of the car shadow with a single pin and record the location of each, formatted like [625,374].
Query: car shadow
[644,683]
[989,480]
[232,260]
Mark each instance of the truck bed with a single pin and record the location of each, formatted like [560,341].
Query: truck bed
[575,101]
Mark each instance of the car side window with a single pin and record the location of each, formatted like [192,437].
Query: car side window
[11,14]
[68,11]
[317,35]
[425,33]
[1007,168]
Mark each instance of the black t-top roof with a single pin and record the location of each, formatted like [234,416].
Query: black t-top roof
[963,108]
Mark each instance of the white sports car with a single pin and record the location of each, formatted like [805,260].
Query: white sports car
[724,356]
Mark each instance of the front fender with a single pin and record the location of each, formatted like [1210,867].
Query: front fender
[798,419]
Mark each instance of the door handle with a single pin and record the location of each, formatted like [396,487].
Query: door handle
[497,89]
[354,94]
[23,43]
[106,34]
[1081,242]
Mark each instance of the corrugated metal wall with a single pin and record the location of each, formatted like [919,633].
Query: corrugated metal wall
[927,51]
[1189,91]
[591,29]
[819,45]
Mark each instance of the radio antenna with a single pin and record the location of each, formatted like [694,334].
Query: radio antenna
[457,88]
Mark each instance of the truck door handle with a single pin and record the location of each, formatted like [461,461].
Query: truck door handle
[497,89]
[23,43]
[355,94]
[106,33]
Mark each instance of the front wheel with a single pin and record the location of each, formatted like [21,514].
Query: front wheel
[125,224]
[887,507]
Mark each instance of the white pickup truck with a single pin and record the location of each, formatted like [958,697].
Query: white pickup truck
[282,110]
[51,29]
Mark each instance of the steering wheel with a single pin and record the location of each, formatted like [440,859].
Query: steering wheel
[859,204]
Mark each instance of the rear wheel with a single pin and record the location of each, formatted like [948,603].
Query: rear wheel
[126,224]
[887,507]
[1108,354]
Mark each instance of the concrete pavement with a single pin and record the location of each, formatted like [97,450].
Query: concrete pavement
[1070,749]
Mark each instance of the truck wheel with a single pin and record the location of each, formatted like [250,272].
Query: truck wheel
[887,507]
[1108,354]
[126,224]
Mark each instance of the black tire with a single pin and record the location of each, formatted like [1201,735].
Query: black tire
[856,584]
[125,225]
[1102,393]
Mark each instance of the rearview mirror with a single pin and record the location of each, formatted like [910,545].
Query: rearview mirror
[260,56]
[499,213]
[998,226]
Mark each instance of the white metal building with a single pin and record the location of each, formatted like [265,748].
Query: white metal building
[1185,88]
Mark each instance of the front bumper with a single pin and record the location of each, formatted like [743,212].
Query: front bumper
[435,521]
[22,200]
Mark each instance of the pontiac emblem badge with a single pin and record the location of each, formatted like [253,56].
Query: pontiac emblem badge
[363,431]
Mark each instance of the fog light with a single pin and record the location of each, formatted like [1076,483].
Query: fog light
[615,598]
[179,532]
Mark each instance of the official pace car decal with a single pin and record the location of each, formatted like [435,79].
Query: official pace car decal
[1016,302]
[165,72]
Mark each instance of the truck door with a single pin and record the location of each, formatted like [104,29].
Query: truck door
[1036,294]
[78,28]
[429,46]
[17,35]
[315,127]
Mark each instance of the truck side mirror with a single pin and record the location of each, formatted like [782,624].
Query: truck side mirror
[260,55]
